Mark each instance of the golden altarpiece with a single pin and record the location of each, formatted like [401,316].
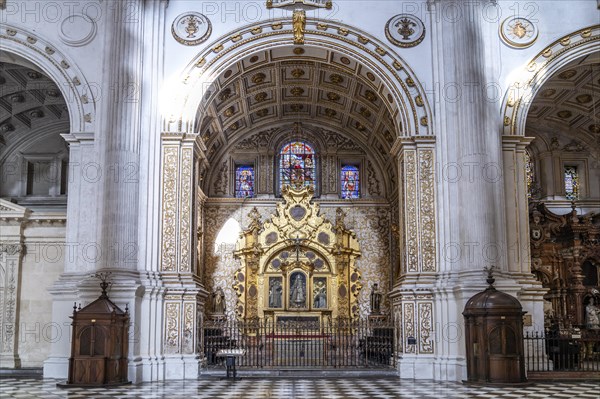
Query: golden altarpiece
[297,266]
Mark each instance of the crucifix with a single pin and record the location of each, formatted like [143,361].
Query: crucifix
[297,242]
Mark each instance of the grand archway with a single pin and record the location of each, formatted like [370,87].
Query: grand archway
[350,98]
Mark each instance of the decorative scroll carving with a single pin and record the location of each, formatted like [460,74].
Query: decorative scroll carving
[185,229]
[172,328]
[427,211]
[188,328]
[410,198]
[425,323]
[409,326]
[169,209]
[257,140]
[374,185]
[220,185]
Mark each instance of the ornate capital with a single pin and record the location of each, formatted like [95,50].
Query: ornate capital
[12,248]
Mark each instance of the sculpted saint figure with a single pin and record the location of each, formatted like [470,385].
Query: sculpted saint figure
[219,301]
[592,316]
[297,294]
[299,23]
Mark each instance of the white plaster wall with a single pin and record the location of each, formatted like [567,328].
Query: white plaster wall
[42,265]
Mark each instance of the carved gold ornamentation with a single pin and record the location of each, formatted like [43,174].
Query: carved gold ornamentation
[410,198]
[191,28]
[169,209]
[405,30]
[185,217]
[299,26]
[427,210]
[518,32]
[297,239]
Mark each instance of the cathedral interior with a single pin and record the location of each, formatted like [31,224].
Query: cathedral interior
[295,185]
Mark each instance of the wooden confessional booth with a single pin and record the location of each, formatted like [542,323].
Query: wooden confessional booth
[494,337]
[99,346]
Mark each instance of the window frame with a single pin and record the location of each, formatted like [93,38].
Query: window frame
[316,165]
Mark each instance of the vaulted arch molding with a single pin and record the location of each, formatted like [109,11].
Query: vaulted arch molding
[400,89]
[60,68]
[527,82]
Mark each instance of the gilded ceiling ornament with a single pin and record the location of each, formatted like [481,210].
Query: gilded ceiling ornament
[518,32]
[365,112]
[260,97]
[331,96]
[336,79]
[330,112]
[258,78]
[297,91]
[584,98]
[369,95]
[299,25]
[297,73]
[405,30]
[568,74]
[191,28]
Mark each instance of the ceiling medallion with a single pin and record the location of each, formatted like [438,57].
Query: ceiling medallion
[405,30]
[191,28]
[518,32]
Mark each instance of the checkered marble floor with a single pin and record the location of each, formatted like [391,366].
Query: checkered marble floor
[288,388]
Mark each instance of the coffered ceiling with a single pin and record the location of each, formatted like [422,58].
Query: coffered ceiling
[567,107]
[318,88]
[30,103]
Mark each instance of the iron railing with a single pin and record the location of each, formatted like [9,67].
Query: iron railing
[302,343]
[553,352]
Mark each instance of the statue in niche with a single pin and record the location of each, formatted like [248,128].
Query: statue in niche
[375,299]
[298,291]
[320,294]
[275,292]
[219,301]
[592,316]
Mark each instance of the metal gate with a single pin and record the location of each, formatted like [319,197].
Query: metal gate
[303,344]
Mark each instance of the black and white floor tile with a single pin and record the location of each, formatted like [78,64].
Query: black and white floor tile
[288,388]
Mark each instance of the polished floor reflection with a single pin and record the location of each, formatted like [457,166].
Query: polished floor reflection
[287,388]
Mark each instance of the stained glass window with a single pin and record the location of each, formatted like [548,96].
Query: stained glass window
[529,174]
[350,182]
[297,165]
[571,183]
[244,181]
